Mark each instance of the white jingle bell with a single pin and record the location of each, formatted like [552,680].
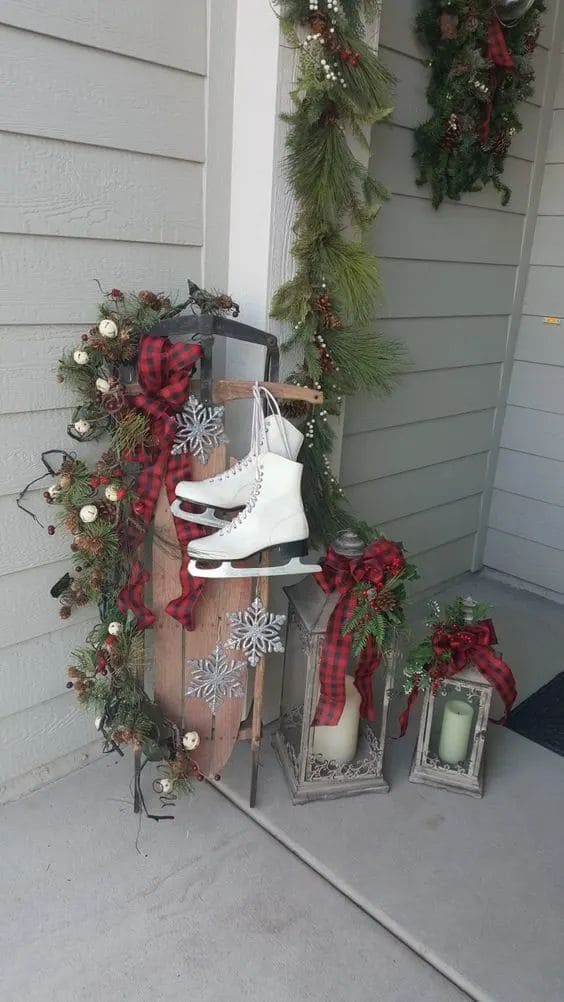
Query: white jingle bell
[191,740]
[82,426]
[107,328]
[81,357]
[88,513]
[99,722]
[102,385]
[114,628]
[163,785]
[111,492]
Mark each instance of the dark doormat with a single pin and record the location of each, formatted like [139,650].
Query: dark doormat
[541,717]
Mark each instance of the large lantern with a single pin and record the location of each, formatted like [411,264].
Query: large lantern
[324,762]
[456,706]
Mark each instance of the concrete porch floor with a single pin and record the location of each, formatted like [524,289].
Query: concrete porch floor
[426,895]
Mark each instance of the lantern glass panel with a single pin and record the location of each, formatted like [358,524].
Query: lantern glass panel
[452,728]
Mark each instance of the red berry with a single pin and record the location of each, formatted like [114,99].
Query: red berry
[116,294]
[121,493]
[110,641]
[69,685]
[84,337]
[94,482]
[46,495]
[51,530]
[104,480]
[118,472]
[217,777]
[138,507]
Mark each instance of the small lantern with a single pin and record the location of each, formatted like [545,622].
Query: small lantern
[324,762]
[452,731]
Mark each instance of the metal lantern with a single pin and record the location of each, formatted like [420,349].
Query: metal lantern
[321,763]
[452,732]
[510,12]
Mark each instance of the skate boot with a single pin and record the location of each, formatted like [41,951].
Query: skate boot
[233,488]
[274,519]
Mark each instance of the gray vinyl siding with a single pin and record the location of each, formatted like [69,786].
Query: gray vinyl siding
[526,522]
[102,144]
[415,463]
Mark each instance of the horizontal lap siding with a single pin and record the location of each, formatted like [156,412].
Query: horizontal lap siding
[526,522]
[415,462]
[102,148]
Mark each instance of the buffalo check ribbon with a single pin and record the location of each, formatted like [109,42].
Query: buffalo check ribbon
[456,648]
[341,574]
[500,56]
[164,371]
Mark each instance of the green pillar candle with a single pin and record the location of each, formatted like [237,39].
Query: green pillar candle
[455,731]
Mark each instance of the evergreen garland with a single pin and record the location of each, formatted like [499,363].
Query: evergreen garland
[97,506]
[481,71]
[341,87]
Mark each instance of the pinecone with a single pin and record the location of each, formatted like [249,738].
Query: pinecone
[65,611]
[384,601]
[72,522]
[80,598]
[448,26]
[115,400]
[149,298]
[73,672]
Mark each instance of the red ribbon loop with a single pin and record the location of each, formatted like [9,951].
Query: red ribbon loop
[456,648]
[164,371]
[340,574]
[500,56]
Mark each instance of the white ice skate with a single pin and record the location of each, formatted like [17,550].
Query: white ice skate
[274,519]
[233,488]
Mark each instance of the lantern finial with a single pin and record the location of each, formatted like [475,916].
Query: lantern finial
[469,605]
[348,544]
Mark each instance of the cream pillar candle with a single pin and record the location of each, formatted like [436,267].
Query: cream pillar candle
[340,742]
[455,731]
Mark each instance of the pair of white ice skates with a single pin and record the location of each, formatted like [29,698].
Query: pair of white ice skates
[265,486]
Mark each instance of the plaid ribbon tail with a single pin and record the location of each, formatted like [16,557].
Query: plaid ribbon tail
[131,598]
[368,662]
[404,715]
[500,56]
[164,374]
[335,655]
[500,676]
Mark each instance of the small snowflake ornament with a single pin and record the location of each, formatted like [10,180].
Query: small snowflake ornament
[199,429]
[255,632]
[215,678]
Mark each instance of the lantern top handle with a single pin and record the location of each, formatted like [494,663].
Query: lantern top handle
[348,544]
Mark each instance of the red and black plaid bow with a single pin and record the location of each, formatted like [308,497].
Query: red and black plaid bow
[164,371]
[471,644]
[341,574]
[498,54]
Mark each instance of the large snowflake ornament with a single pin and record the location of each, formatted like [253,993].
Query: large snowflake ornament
[199,429]
[255,632]
[215,678]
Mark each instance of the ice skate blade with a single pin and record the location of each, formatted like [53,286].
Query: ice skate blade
[201,569]
[206,517]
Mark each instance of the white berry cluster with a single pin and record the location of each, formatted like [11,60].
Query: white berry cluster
[332,7]
[332,72]
[481,87]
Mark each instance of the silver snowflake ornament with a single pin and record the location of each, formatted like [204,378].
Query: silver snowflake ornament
[215,678]
[199,429]
[255,632]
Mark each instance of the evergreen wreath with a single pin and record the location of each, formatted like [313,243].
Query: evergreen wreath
[99,507]
[341,87]
[481,70]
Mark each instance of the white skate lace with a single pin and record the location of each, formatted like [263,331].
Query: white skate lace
[248,507]
[258,431]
